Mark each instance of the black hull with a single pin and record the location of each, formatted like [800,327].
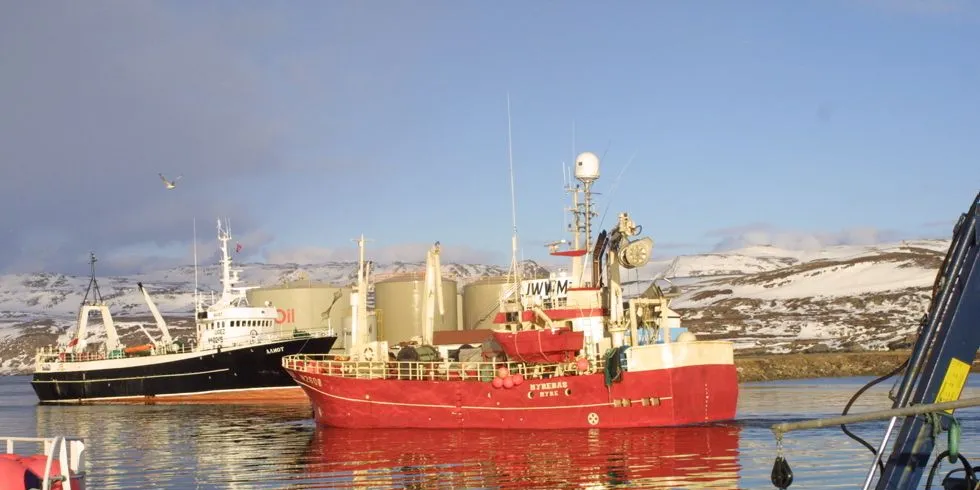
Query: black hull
[242,368]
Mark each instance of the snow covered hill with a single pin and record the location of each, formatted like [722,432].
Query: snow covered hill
[766,299]
[838,298]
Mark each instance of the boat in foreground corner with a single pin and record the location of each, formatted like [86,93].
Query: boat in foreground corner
[569,353]
[236,354]
[61,465]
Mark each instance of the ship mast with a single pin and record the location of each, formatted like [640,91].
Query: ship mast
[93,284]
[358,301]
[514,265]
[586,171]
[226,281]
[197,296]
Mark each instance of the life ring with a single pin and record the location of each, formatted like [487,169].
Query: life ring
[254,333]
[368,354]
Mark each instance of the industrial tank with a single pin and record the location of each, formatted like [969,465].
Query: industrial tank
[481,300]
[398,301]
[304,305]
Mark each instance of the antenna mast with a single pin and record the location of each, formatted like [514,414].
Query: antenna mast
[93,284]
[197,301]
[513,201]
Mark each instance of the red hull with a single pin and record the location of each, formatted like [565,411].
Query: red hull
[705,456]
[653,398]
[533,346]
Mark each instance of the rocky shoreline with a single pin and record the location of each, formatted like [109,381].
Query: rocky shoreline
[823,365]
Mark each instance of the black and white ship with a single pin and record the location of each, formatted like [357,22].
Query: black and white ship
[236,354]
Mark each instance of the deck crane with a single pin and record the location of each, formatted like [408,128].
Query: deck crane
[932,379]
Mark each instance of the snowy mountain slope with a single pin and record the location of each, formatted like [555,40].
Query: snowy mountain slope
[764,298]
[837,300]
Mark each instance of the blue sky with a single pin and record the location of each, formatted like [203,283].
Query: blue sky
[311,122]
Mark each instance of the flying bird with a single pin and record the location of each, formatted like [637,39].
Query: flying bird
[170,184]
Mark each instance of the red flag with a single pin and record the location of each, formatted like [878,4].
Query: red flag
[238,248]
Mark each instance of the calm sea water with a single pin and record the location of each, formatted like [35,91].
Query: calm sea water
[239,447]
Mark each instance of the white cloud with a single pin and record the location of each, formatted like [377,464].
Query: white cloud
[764,234]
[405,252]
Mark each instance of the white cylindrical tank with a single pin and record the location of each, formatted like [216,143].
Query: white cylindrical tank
[399,300]
[481,299]
[305,305]
[459,310]
[344,341]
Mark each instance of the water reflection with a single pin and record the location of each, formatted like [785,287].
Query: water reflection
[682,457]
[192,446]
[268,446]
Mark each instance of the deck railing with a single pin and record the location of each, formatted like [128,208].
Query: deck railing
[429,371]
[51,354]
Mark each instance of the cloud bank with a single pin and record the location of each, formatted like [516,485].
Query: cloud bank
[765,234]
[407,252]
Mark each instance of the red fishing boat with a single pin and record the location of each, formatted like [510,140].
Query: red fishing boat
[570,352]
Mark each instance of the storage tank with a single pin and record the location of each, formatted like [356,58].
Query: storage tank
[302,305]
[398,301]
[481,300]
[343,341]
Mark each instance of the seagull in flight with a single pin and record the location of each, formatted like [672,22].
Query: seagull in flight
[168,183]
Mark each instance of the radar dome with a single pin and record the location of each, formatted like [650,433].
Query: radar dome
[587,166]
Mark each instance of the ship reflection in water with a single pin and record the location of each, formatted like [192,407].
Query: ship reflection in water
[679,457]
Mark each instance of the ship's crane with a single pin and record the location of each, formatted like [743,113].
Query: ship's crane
[933,378]
[165,338]
[432,292]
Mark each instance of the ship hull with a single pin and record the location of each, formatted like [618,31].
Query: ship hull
[674,396]
[248,373]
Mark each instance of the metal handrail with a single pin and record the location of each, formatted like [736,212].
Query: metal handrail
[429,371]
[50,354]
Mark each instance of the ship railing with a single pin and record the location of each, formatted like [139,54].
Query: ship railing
[247,338]
[50,354]
[47,355]
[67,454]
[431,371]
